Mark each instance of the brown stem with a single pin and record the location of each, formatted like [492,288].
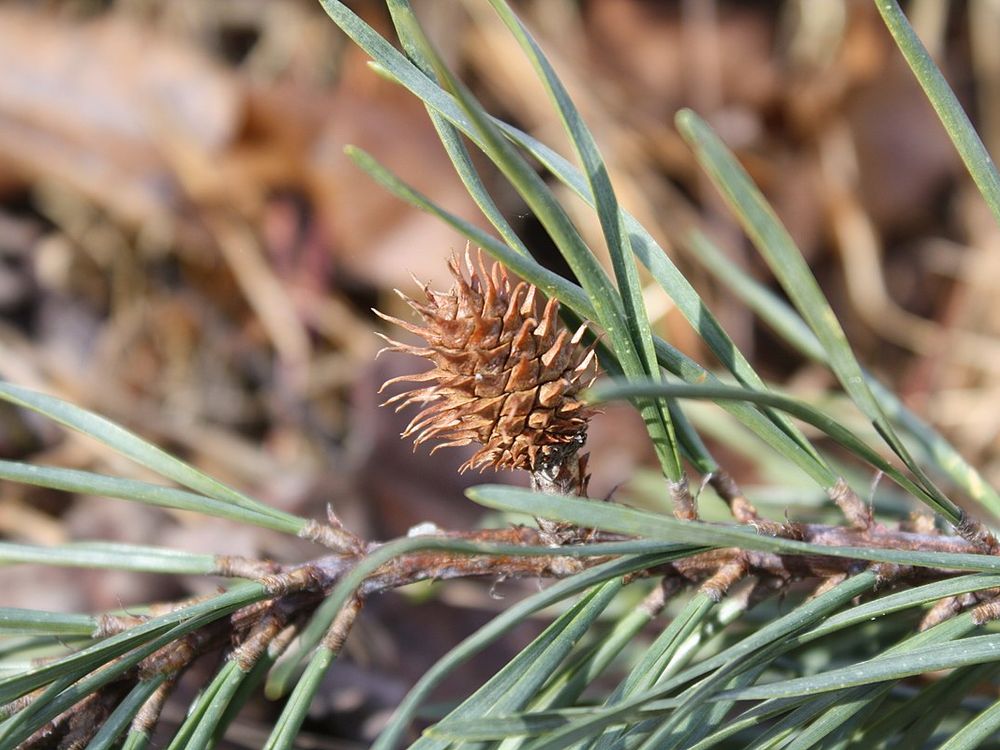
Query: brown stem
[685,507]
[561,472]
[987,611]
[232,566]
[973,530]
[342,624]
[75,727]
[261,636]
[296,591]
[145,720]
[729,573]
[857,513]
[742,509]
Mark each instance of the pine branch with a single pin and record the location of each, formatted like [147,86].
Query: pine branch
[296,591]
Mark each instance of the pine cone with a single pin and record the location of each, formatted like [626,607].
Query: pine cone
[503,376]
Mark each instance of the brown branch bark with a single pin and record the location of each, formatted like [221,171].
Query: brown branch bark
[297,590]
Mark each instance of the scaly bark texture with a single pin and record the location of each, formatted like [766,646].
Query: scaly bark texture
[505,375]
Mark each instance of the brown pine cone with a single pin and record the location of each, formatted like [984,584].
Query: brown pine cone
[504,376]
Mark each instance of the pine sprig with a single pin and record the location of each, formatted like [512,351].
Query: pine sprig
[773,633]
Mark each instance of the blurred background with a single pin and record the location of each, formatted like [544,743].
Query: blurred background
[185,249]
